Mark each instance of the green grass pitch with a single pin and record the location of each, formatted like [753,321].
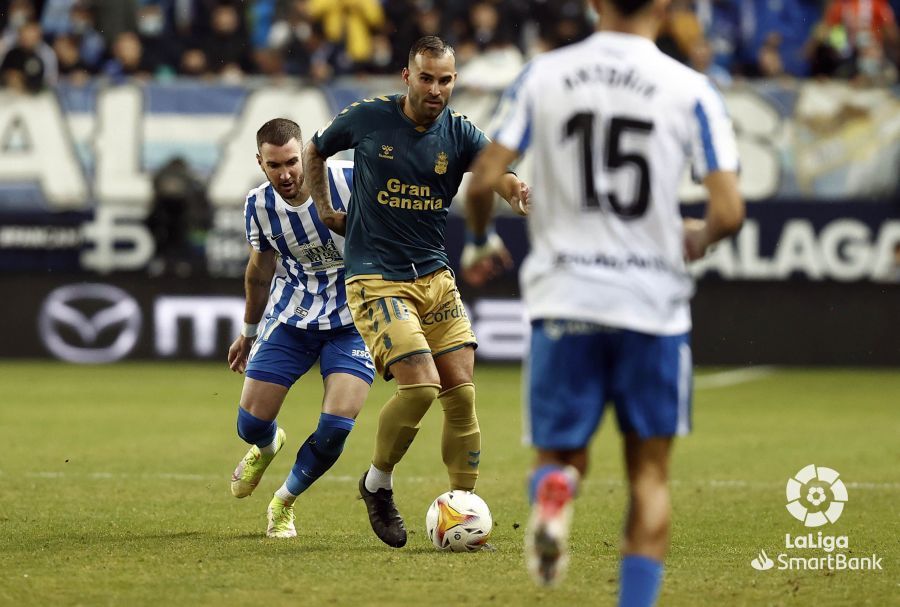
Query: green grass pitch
[114,490]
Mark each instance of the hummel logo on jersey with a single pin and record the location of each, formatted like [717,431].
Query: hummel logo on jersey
[387,152]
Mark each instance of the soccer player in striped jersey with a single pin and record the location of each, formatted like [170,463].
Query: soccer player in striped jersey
[295,278]
[612,123]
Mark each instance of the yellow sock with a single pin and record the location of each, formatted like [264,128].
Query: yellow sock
[461,439]
[399,423]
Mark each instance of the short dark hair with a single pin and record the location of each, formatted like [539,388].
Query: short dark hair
[278,132]
[430,45]
[630,7]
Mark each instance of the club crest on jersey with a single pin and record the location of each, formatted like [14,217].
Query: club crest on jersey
[387,152]
[440,167]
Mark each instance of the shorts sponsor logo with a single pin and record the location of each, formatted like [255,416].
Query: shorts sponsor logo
[816,497]
[449,310]
[361,354]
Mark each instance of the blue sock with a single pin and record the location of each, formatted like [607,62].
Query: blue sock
[319,452]
[639,581]
[537,476]
[255,431]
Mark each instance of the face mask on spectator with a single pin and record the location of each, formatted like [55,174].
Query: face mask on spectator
[151,25]
[79,26]
[302,31]
[18,19]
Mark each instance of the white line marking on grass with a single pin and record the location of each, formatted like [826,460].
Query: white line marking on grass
[335,478]
[724,379]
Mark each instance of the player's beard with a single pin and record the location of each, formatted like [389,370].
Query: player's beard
[426,110]
[290,193]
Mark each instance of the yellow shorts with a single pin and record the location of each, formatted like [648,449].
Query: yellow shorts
[399,318]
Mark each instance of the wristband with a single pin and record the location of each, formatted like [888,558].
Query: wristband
[479,241]
[250,329]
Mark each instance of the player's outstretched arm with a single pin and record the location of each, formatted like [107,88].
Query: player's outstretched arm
[484,255]
[316,175]
[257,280]
[724,215]
[490,174]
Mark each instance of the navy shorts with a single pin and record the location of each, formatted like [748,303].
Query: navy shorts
[282,353]
[576,367]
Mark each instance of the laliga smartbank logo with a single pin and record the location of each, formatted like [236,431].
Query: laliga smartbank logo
[816,497]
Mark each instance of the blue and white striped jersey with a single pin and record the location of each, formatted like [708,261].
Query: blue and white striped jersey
[612,123]
[308,289]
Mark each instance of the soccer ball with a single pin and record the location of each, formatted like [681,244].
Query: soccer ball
[459,521]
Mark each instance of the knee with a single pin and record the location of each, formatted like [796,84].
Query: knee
[458,403]
[422,394]
[330,436]
[252,429]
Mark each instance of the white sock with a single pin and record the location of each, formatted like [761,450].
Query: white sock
[285,496]
[376,479]
[270,448]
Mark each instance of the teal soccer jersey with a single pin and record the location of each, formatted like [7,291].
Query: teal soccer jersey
[403,181]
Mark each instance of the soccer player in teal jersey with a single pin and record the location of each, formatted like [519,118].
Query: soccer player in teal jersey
[411,152]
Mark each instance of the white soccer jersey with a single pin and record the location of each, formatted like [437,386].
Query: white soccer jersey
[612,123]
[308,289]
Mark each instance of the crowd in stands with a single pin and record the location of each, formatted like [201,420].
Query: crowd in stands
[44,42]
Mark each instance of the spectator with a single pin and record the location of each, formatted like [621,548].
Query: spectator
[179,220]
[768,58]
[262,16]
[404,31]
[226,47]
[193,63]
[349,24]
[721,21]
[56,17]
[829,52]
[128,59]
[161,48]
[72,68]
[113,17]
[91,44]
[492,61]
[20,12]
[774,35]
[700,57]
[30,64]
[873,68]
[560,22]
[867,24]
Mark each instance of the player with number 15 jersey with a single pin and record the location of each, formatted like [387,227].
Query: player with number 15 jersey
[611,123]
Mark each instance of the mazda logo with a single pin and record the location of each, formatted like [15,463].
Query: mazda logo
[64,307]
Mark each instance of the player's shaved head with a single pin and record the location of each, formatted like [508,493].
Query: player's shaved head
[431,46]
[278,132]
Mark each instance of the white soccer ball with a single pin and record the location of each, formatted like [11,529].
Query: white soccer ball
[459,521]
